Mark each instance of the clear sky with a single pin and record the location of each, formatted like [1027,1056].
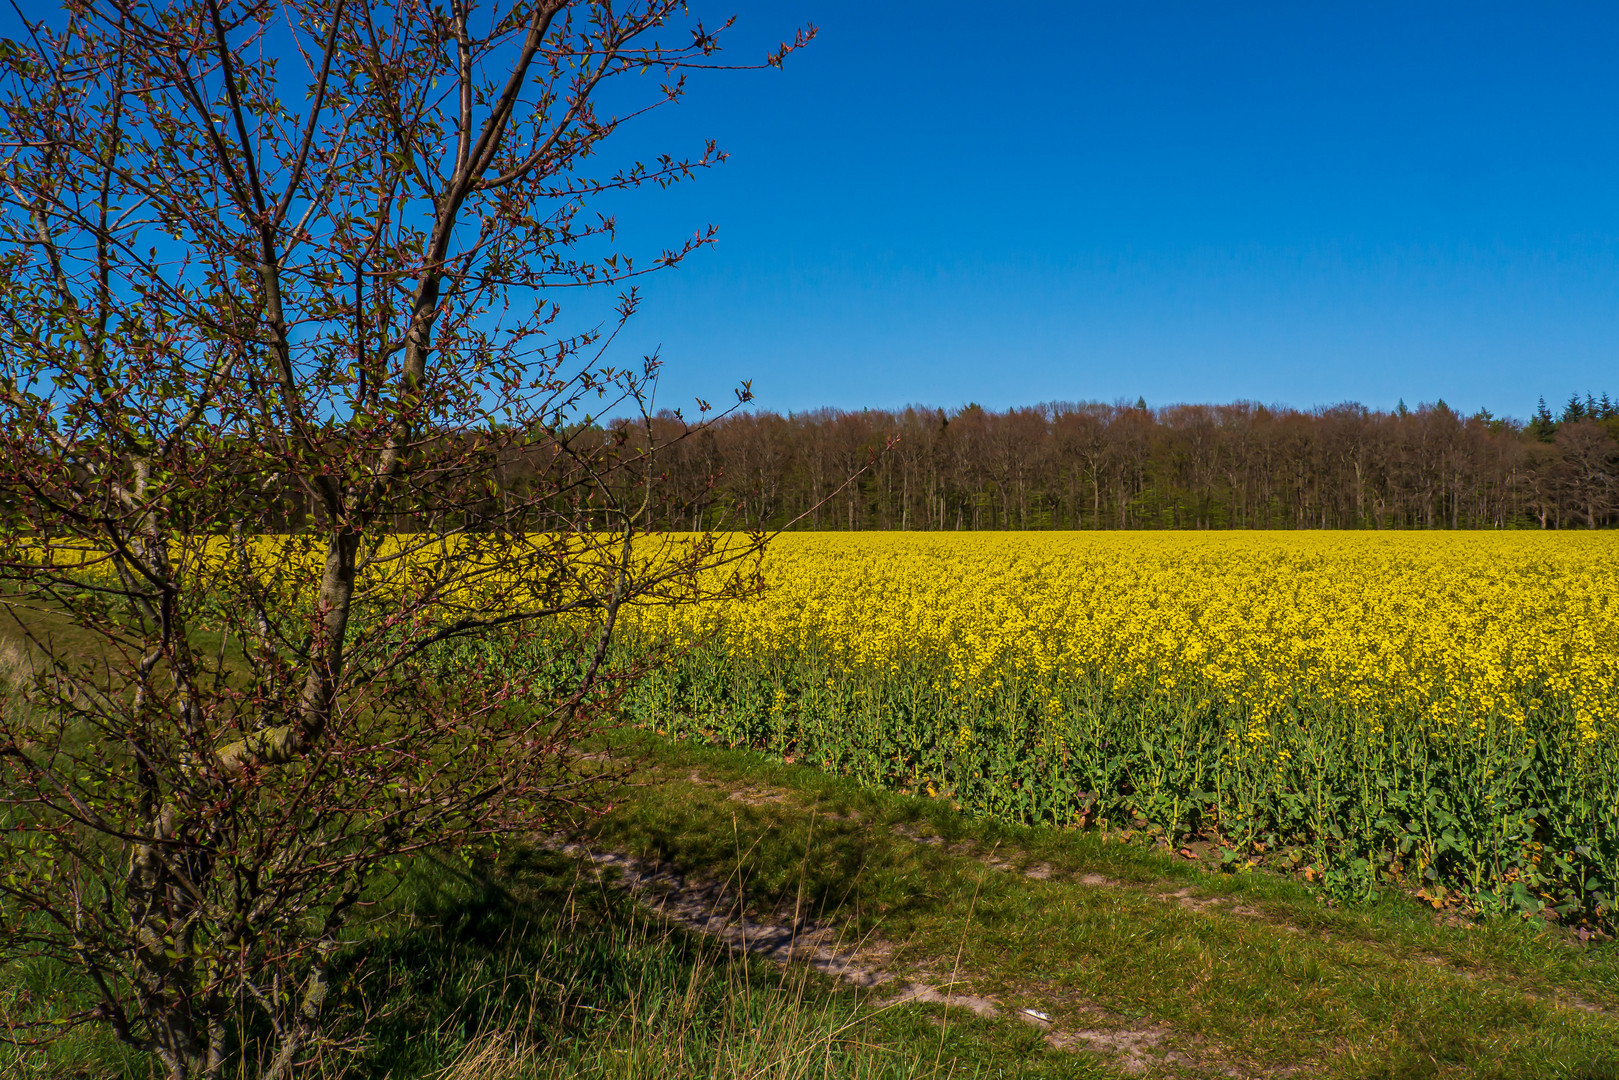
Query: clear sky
[1294,203]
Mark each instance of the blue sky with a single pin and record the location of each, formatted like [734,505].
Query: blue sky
[1300,204]
[1292,203]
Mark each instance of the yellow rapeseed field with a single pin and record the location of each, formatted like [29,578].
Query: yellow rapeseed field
[1448,630]
[1436,710]
[1444,629]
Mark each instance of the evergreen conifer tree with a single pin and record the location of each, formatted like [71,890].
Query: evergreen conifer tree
[1543,427]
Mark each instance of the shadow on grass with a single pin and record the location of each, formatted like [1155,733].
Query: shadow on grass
[531,961]
[524,945]
[527,967]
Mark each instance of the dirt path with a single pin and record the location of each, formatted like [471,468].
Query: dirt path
[717,910]
[1143,967]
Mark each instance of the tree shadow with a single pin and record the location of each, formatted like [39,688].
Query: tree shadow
[528,945]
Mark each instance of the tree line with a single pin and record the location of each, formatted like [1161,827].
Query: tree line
[1128,466]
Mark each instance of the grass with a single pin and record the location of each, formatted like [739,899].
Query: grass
[1247,972]
[524,964]
[528,967]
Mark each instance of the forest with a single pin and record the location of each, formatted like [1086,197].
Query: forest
[1052,466]
[1127,466]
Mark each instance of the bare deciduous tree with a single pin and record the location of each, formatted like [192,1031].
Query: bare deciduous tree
[1099,466]
[285,413]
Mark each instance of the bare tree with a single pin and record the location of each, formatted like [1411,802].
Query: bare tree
[1590,470]
[295,266]
[1126,466]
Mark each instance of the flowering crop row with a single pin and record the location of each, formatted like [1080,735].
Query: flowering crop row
[1441,709]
